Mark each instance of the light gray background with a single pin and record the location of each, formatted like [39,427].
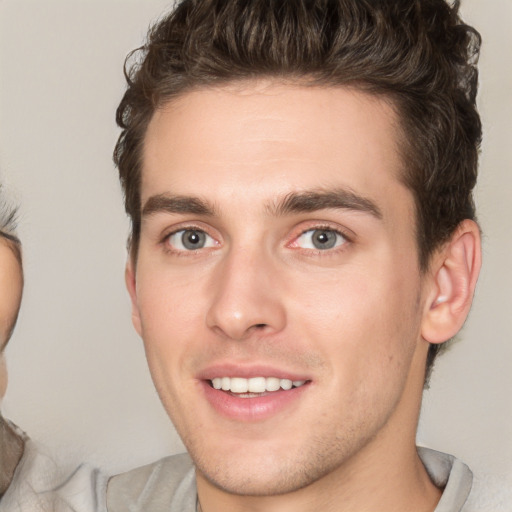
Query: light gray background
[78,377]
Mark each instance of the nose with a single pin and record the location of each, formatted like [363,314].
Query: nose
[246,296]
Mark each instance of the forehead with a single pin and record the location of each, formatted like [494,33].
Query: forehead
[271,138]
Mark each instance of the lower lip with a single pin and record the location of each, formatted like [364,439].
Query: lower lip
[258,408]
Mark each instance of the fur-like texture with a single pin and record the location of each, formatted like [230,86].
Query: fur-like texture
[12,444]
[39,486]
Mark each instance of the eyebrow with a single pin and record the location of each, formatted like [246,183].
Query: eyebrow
[295,202]
[14,244]
[164,203]
[310,201]
[9,236]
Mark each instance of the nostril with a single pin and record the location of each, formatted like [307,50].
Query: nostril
[260,326]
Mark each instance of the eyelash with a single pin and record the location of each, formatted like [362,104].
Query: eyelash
[314,227]
[169,250]
[325,227]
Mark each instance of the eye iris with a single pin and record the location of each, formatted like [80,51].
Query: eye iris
[193,239]
[324,239]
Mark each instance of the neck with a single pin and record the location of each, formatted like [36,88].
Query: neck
[11,448]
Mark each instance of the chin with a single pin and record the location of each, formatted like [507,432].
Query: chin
[257,483]
[262,474]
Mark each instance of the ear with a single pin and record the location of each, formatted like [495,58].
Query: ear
[131,286]
[454,272]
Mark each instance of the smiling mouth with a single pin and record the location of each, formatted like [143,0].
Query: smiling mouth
[254,386]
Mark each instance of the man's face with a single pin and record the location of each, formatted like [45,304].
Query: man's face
[11,284]
[278,247]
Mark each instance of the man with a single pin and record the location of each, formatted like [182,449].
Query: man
[30,481]
[299,179]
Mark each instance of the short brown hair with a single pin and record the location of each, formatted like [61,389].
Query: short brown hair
[417,53]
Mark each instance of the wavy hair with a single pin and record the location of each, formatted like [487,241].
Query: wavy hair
[417,53]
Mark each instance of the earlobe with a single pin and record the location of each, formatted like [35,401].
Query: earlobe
[455,272]
[131,286]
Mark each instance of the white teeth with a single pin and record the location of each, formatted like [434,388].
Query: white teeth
[273,384]
[286,384]
[239,385]
[254,384]
[257,385]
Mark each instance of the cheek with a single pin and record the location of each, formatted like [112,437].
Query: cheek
[168,300]
[3,376]
[172,316]
[360,320]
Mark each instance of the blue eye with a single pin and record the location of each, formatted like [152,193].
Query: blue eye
[320,239]
[190,240]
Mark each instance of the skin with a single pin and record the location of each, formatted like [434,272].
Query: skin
[11,286]
[354,320]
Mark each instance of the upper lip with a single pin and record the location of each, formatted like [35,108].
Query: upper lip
[248,371]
